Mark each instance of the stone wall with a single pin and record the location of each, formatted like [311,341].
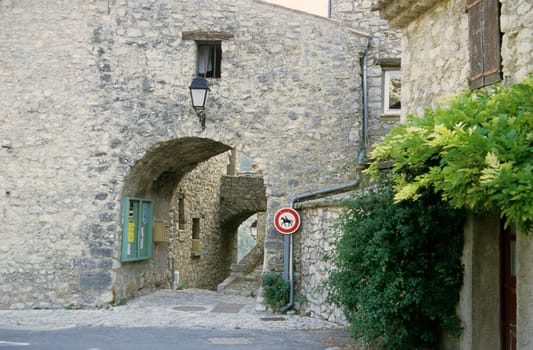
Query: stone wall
[315,241]
[362,15]
[384,53]
[201,194]
[58,186]
[242,196]
[516,24]
[441,47]
[95,106]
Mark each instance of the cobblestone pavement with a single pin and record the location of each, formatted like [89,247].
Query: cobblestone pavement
[190,308]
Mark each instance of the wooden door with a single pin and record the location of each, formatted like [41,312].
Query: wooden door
[508,280]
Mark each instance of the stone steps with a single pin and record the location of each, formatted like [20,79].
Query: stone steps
[239,284]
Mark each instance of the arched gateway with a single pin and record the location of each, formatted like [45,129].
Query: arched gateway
[198,198]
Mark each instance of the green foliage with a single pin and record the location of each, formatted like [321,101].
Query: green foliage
[182,286]
[398,270]
[275,289]
[477,153]
[300,299]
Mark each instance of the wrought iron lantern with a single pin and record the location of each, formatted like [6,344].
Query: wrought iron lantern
[199,94]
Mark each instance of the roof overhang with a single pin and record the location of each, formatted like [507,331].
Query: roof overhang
[400,13]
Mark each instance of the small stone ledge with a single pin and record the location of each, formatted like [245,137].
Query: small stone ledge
[402,12]
[389,62]
[390,117]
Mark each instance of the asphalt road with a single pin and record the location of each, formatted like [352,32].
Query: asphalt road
[157,338]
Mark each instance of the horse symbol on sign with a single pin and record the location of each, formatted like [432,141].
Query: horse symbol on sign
[285,221]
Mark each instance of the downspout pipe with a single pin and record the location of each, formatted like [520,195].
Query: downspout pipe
[364,73]
[288,240]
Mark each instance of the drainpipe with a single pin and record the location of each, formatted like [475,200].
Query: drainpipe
[364,68]
[288,242]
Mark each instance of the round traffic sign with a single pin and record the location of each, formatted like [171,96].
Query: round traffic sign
[287,221]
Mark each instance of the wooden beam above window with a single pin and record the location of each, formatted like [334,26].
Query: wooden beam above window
[389,62]
[206,35]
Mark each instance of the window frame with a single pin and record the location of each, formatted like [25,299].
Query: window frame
[388,74]
[214,58]
[181,211]
[196,242]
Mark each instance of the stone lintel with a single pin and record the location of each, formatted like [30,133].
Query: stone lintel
[402,12]
[198,35]
[389,62]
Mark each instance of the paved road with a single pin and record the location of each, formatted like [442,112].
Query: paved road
[167,319]
[156,338]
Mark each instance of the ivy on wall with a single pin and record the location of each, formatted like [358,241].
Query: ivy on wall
[477,153]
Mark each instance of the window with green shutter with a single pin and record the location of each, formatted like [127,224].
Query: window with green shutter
[137,218]
[484,42]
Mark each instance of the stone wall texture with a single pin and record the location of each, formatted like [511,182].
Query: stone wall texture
[95,106]
[516,22]
[316,241]
[435,58]
[384,53]
[201,190]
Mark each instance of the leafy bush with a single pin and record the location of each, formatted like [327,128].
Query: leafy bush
[477,153]
[275,289]
[398,270]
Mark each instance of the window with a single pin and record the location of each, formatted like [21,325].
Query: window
[392,87]
[484,42]
[208,50]
[196,246]
[181,211]
[209,59]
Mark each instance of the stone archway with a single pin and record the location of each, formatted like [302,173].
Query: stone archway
[156,176]
[197,210]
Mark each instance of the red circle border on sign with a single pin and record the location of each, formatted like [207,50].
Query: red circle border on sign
[283,230]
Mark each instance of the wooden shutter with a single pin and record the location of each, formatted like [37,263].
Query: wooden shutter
[492,62]
[484,42]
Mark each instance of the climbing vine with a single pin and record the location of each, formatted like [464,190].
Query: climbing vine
[477,153]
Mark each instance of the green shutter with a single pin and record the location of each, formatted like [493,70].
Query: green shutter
[137,219]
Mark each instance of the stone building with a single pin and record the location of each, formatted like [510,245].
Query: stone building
[458,52]
[108,182]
